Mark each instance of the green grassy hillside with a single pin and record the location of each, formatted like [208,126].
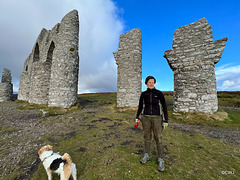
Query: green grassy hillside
[103,143]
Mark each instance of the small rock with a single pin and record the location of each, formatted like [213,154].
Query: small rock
[43,113]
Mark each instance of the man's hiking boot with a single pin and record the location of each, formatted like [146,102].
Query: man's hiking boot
[145,158]
[160,165]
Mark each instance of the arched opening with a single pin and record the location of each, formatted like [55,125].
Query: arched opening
[26,69]
[47,68]
[50,52]
[36,53]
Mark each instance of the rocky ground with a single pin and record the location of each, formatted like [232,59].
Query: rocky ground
[21,131]
[229,135]
[20,134]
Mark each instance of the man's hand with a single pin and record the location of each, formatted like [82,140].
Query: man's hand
[165,125]
[137,120]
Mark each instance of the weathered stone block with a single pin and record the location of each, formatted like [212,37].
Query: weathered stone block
[6,87]
[129,62]
[6,76]
[192,58]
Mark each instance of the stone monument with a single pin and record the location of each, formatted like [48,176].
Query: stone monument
[129,61]
[50,74]
[192,58]
[6,87]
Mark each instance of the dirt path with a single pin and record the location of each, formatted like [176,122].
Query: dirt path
[21,131]
[226,134]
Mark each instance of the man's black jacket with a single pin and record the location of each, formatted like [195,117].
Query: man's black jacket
[151,99]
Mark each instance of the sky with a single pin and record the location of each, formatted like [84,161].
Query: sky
[101,24]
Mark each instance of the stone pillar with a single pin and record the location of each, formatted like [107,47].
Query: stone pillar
[6,76]
[192,58]
[23,91]
[129,61]
[65,65]
[39,85]
[24,82]
[50,74]
[41,69]
[6,87]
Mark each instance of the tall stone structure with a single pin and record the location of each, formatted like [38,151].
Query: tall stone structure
[192,58]
[50,74]
[6,87]
[129,61]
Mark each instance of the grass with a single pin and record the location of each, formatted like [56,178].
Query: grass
[106,146]
[229,99]
[99,98]
[6,129]
[224,117]
[52,111]
[111,151]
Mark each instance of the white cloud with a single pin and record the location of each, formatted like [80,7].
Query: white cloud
[99,37]
[228,77]
[100,28]
[227,83]
[102,81]
[225,70]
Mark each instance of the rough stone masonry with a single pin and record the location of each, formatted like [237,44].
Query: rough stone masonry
[192,58]
[6,87]
[129,62]
[50,74]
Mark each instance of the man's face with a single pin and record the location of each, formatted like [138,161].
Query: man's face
[150,83]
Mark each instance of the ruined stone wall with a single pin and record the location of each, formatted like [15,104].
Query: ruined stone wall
[192,58]
[50,74]
[64,81]
[24,83]
[6,87]
[129,62]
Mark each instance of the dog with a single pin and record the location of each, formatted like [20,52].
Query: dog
[54,162]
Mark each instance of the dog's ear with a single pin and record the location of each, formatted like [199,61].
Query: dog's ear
[45,148]
[48,147]
[41,151]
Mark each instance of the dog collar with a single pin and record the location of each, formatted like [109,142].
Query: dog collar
[47,157]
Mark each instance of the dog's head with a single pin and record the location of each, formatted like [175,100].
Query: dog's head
[43,149]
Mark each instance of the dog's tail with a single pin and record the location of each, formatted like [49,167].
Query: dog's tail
[67,167]
[67,158]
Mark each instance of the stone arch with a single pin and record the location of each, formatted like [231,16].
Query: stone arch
[36,56]
[46,81]
[50,52]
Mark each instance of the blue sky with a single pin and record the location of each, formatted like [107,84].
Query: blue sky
[101,24]
[159,19]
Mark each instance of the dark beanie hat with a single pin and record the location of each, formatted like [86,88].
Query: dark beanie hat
[150,77]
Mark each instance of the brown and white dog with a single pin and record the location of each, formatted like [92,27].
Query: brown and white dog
[54,162]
